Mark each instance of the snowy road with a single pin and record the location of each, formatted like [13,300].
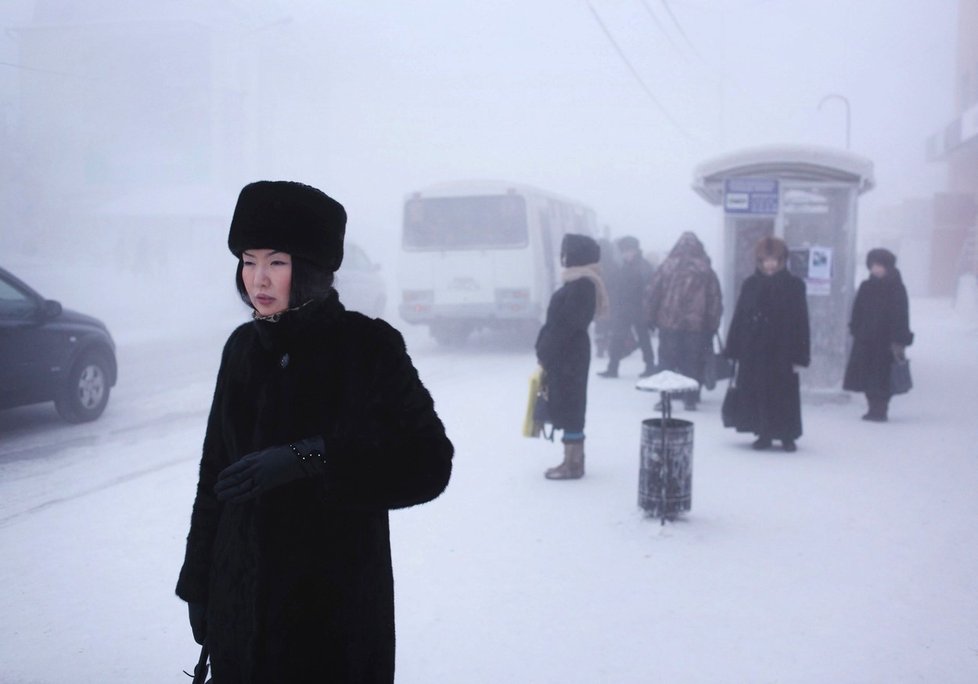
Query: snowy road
[853,560]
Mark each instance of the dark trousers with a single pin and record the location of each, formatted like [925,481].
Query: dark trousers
[621,335]
[684,352]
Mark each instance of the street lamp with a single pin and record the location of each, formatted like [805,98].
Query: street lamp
[845,101]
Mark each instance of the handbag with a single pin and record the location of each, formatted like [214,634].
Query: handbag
[537,407]
[733,403]
[718,366]
[900,380]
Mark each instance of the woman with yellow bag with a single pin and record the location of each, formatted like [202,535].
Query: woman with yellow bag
[564,348]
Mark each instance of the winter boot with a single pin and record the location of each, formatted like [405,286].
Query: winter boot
[573,466]
[648,372]
[877,410]
[611,371]
[761,443]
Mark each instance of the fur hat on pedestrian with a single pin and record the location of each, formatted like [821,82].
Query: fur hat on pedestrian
[771,248]
[579,250]
[628,242]
[289,217]
[883,257]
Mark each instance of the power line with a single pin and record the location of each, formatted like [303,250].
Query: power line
[635,73]
[24,67]
[662,27]
[679,28]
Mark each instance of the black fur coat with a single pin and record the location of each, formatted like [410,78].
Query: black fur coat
[880,318]
[298,583]
[769,335]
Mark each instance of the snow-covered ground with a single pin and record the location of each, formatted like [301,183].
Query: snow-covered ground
[853,560]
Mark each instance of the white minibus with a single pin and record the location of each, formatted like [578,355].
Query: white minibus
[483,254]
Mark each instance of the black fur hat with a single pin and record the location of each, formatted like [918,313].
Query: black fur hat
[579,250]
[881,256]
[290,217]
[629,242]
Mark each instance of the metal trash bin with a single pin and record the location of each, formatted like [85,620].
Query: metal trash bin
[665,484]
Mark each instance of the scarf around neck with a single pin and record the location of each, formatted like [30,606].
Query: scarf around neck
[592,273]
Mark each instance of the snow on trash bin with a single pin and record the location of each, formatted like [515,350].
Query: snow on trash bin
[665,477]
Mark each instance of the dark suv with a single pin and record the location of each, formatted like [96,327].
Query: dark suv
[48,353]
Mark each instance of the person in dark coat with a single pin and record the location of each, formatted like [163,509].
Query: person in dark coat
[609,274]
[628,316]
[769,338]
[685,305]
[880,328]
[319,425]
[564,348]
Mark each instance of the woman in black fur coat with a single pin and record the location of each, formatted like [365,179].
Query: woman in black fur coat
[769,338]
[880,327]
[564,348]
[319,425]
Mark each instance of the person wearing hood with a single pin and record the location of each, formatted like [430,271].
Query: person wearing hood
[563,347]
[319,426]
[769,339]
[880,328]
[685,305]
[627,308]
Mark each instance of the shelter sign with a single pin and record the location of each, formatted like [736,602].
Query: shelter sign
[750,196]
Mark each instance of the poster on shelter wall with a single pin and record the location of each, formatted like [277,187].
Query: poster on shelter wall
[814,266]
[818,280]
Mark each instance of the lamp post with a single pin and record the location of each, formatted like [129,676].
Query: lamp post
[845,101]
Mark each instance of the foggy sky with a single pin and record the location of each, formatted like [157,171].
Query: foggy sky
[383,98]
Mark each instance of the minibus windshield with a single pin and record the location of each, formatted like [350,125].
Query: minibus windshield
[440,223]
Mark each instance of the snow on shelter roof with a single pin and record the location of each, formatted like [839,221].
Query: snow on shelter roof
[795,162]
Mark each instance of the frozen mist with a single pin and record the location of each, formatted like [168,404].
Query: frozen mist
[126,131]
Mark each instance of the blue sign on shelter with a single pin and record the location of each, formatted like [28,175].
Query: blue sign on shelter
[750,196]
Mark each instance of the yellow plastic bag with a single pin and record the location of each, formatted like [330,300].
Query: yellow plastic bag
[530,427]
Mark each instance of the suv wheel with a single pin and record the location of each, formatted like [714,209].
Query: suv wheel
[87,391]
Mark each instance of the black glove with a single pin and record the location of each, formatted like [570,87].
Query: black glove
[263,470]
[198,621]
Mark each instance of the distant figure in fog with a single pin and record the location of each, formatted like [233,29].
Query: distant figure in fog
[685,305]
[880,328]
[628,316]
[769,339]
[609,273]
[564,348]
[319,425]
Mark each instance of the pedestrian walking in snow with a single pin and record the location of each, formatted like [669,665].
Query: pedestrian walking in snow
[628,315]
[319,425]
[564,348]
[685,305]
[609,274]
[769,339]
[880,328]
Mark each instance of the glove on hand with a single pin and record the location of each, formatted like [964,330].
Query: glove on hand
[899,351]
[260,471]
[198,621]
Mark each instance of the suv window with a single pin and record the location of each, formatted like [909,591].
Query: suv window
[14,304]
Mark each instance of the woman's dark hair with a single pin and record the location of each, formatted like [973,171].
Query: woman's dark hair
[771,248]
[308,282]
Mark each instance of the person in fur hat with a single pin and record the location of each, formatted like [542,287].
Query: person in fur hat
[628,317]
[319,426]
[769,338]
[564,348]
[880,328]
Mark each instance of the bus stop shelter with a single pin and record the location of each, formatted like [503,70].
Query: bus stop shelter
[808,197]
